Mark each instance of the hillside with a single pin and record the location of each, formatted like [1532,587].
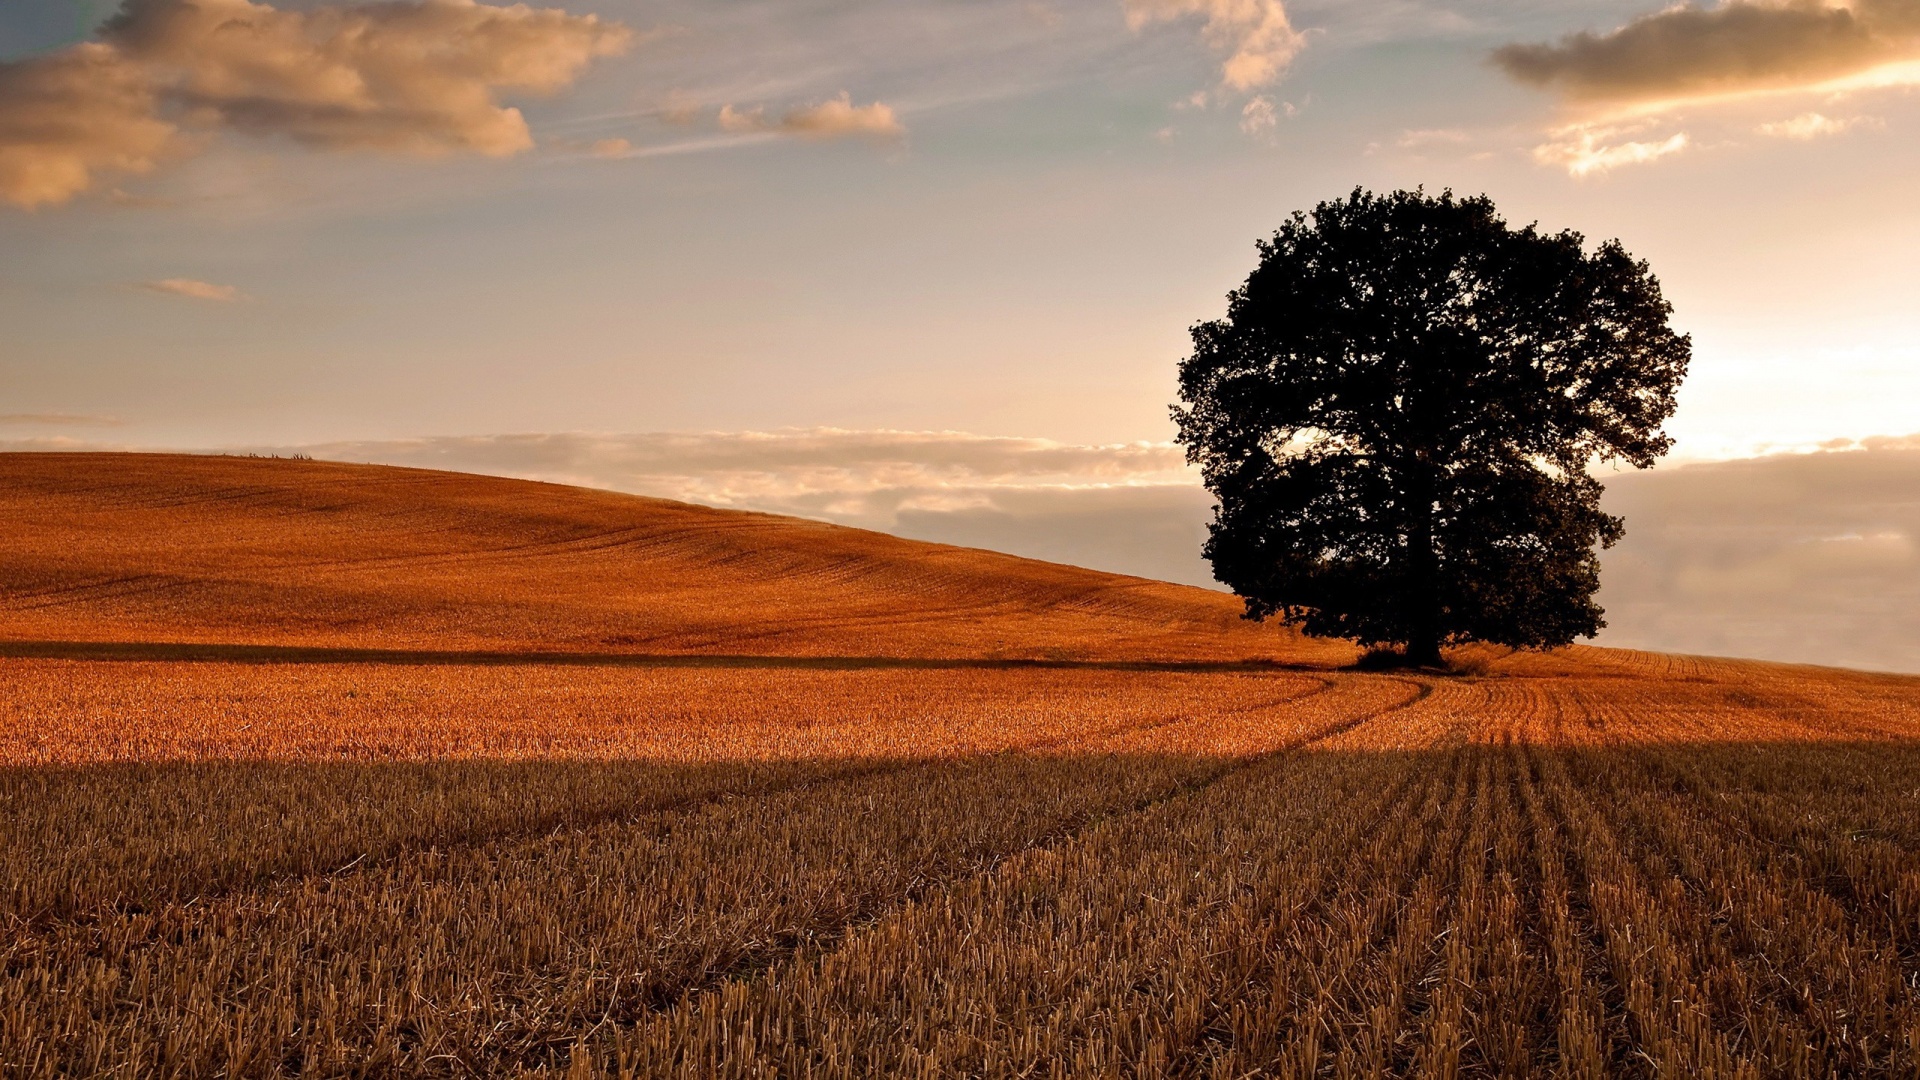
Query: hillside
[490,778]
[177,548]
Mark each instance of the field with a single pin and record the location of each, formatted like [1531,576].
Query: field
[571,809]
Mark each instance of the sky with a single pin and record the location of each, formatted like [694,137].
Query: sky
[923,265]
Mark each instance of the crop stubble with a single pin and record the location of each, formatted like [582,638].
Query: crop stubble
[1596,871]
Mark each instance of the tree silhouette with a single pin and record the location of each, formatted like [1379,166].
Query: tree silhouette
[1398,414]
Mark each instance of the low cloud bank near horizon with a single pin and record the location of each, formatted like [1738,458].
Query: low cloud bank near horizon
[1812,558]
[410,76]
[1131,508]
[1807,557]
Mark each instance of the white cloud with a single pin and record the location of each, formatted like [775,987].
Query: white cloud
[1427,138]
[193,290]
[1258,116]
[413,76]
[1585,151]
[870,474]
[1256,35]
[1813,125]
[834,118]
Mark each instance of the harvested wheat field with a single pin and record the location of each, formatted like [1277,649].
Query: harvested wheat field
[332,770]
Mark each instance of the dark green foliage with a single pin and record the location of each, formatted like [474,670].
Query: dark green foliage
[1398,413]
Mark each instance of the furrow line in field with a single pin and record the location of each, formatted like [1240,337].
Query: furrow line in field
[1643,930]
[1856,849]
[1244,1026]
[214,652]
[1299,936]
[1028,899]
[1343,961]
[1800,968]
[1493,962]
[1356,957]
[484,960]
[1589,1027]
[1428,1036]
[1224,769]
[195,884]
[728,996]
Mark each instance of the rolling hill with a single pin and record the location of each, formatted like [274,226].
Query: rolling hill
[177,548]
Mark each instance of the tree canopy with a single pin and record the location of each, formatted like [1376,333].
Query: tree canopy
[1398,414]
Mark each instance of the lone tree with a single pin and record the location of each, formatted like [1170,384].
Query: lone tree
[1398,413]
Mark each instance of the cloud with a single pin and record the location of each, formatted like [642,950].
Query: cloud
[680,109]
[862,477]
[831,119]
[70,115]
[1585,151]
[1150,531]
[1813,126]
[415,77]
[195,290]
[1689,53]
[1129,507]
[1258,116]
[1812,557]
[1256,35]
[1428,138]
[59,419]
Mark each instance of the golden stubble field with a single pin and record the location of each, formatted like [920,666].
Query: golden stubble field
[1041,832]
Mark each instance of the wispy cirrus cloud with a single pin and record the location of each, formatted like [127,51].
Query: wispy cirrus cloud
[409,76]
[837,117]
[60,419]
[193,289]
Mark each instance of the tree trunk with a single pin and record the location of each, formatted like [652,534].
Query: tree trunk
[1423,565]
[1424,650]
